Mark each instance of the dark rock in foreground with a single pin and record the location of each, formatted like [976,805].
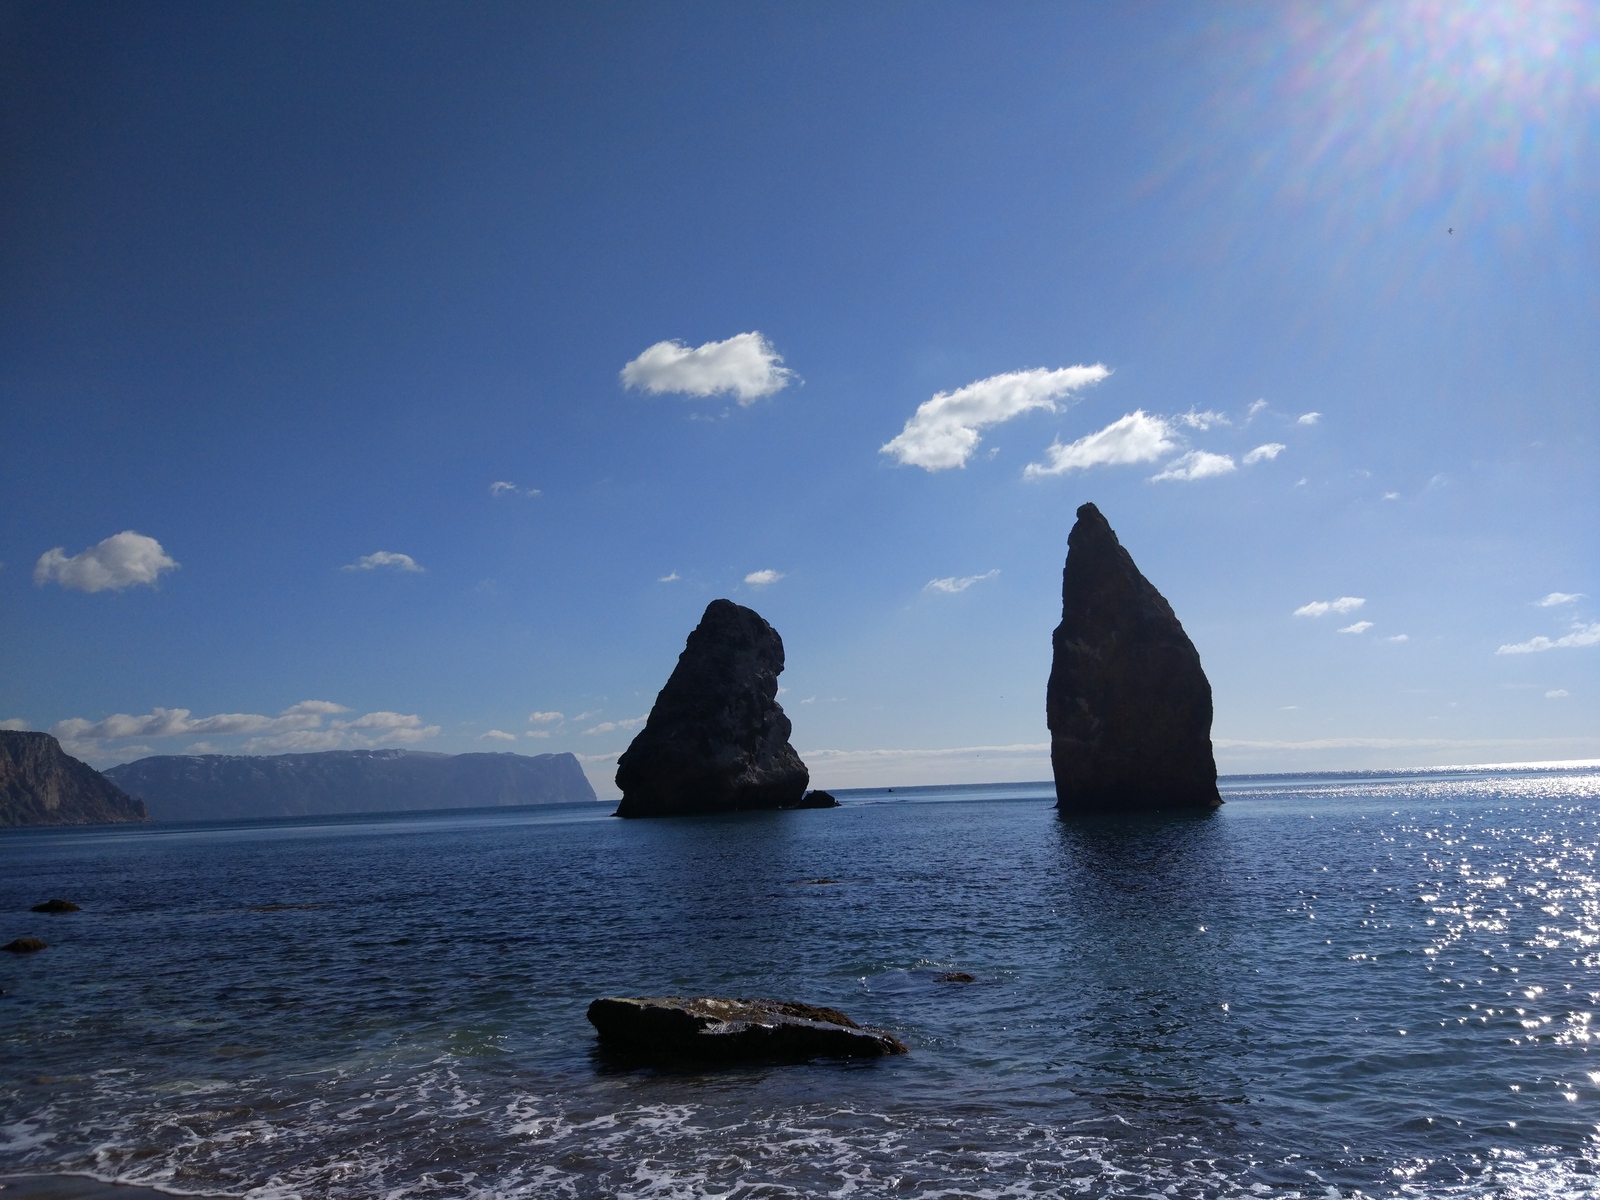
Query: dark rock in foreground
[41,784]
[716,739]
[818,799]
[25,945]
[227,787]
[1128,705]
[56,906]
[956,977]
[722,1030]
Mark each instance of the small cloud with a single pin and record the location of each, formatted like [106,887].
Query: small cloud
[1581,635]
[1358,627]
[498,735]
[746,366]
[1321,608]
[1399,637]
[537,733]
[763,578]
[954,584]
[584,716]
[1197,464]
[1558,598]
[16,724]
[122,560]
[383,558]
[610,726]
[1557,694]
[1137,437]
[1203,420]
[1265,453]
[671,578]
[1255,407]
[502,488]
[943,432]
[809,700]
[1310,418]
[1301,482]
[547,718]
[1391,495]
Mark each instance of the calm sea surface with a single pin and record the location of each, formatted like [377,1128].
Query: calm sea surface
[1380,984]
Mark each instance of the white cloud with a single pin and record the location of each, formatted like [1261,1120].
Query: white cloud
[120,561]
[545,718]
[673,577]
[961,584]
[1203,420]
[1358,627]
[499,735]
[16,723]
[1557,694]
[501,487]
[298,727]
[1310,418]
[1581,635]
[1557,598]
[1197,464]
[745,365]
[1321,608]
[943,432]
[537,733]
[383,558]
[1265,453]
[1255,407]
[1391,495]
[1134,438]
[762,578]
[1399,637]
[609,726]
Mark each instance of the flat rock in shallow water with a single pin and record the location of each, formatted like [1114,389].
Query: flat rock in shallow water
[25,945]
[712,1027]
[55,906]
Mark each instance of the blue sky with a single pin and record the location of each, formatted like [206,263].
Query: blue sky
[291,290]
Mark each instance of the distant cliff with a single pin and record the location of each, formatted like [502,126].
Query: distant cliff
[41,784]
[222,787]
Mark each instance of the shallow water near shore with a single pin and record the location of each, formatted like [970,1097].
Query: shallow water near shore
[1333,984]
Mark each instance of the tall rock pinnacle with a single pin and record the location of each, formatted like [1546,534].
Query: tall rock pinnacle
[716,740]
[1128,705]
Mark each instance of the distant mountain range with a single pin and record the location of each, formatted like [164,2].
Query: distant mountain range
[213,787]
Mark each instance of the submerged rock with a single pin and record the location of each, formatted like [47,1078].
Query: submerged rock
[55,906]
[41,784]
[716,739]
[956,977]
[718,1029]
[25,945]
[1128,705]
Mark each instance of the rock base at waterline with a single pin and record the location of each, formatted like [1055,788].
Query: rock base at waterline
[715,1029]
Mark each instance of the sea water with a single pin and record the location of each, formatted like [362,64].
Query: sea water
[1333,985]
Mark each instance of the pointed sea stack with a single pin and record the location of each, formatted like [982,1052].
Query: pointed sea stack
[716,740]
[1129,707]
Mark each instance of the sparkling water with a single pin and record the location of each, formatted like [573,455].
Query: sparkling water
[1380,984]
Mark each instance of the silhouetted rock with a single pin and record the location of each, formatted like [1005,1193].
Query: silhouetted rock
[710,1027]
[818,799]
[716,739]
[41,784]
[25,945]
[227,787]
[1128,705]
[55,906]
[955,977]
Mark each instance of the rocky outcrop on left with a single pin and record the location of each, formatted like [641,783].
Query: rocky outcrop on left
[714,1028]
[41,784]
[716,739]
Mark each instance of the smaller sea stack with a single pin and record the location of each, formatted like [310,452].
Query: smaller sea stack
[716,739]
[1128,705]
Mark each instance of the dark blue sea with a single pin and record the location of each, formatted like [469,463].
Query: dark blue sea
[1380,985]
